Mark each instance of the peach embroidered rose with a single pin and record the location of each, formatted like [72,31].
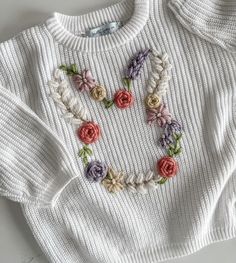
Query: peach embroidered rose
[153,101]
[98,93]
[123,99]
[89,132]
[167,167]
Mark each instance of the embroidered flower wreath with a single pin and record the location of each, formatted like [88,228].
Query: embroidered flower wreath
[123,98]
[89,131]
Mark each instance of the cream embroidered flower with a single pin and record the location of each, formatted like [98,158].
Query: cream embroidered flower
[98,93]
[153,101]
[114,181]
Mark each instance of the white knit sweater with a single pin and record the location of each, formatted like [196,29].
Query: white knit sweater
[76,220]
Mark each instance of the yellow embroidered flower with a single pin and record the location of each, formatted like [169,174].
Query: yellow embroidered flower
[113,182]
[98,93]
[153,101]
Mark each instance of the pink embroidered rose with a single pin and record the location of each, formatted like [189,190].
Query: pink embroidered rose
[167,167]
[160,114]
[89,132]
[123,99]
[85,80]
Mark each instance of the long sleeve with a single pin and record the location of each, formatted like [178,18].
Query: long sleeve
[34,164]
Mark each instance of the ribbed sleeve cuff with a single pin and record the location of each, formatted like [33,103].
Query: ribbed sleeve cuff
[54,189]
[35,166]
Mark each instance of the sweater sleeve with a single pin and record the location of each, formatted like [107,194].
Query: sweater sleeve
[35,166]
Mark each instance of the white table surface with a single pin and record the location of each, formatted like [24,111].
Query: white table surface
[17,244]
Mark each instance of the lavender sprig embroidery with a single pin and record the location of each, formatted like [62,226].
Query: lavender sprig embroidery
[136,64]
[166,140]
[173,127]
[171,137]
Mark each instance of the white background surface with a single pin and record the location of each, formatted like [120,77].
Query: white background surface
[17,244]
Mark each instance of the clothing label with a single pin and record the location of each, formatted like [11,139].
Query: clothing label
[104,29]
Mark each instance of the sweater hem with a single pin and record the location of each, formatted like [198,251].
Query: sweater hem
[178,250]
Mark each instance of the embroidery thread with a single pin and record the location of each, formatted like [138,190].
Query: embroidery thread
[89,132]
[124,97]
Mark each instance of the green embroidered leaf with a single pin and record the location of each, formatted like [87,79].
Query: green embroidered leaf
[127,82]
[170,152]
[178,151]
[180,136]
[63,67]
[74,69]
[177,136]
[85,160]
[88,150]
[177,144]
[162,181]
[82,153]
[172,146]
[107,103]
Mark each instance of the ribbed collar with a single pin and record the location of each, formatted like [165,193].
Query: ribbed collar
[213,20]
[65,29]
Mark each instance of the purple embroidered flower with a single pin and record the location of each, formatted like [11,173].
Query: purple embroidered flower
[85,80]
[173,127]
[166,140]
[96,171]
[136,64]
[160,114]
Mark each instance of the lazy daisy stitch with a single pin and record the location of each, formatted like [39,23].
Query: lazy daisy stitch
[89,132]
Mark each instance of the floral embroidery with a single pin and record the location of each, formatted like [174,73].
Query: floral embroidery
[165,140]
[161,115]
[89,132]
[157,111]
[136,64]
[153,101]
[173,127]
[113,182]
[84,81]
[84,153]
[98,93]
[123,98]
[95,171]
[73,110]
[167,166]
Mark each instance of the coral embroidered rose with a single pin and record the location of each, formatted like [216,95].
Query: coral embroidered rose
[167,167]
[89,132]
[153,101]
[96,171]
[98,93]
[123,99]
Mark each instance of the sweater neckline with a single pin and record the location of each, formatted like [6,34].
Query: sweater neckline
[66,29]
[213,20]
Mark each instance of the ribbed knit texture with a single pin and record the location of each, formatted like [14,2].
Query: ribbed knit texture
[74,220]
